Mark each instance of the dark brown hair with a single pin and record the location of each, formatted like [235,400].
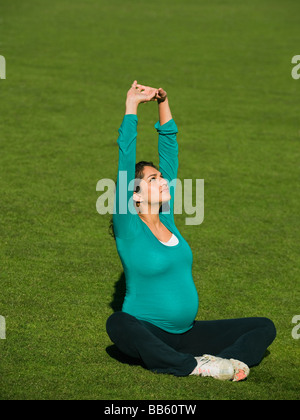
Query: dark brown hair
[139,174]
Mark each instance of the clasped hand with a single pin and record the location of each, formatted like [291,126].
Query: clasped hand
[141,93]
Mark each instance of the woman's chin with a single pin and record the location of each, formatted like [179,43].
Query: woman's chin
[166,196]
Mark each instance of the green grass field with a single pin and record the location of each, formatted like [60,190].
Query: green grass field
[226,66]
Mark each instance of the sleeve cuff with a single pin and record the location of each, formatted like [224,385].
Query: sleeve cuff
[132,117]
[169,127]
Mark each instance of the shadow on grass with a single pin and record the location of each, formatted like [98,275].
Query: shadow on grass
[119,294]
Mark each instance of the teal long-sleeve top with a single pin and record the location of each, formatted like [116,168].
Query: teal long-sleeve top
[159,282]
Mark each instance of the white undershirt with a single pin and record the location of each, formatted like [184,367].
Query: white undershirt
[172,242]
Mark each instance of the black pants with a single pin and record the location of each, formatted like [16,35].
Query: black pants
[244,339]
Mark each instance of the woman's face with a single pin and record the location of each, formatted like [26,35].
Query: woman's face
[153,187]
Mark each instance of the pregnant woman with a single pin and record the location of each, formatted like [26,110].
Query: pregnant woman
[157,322]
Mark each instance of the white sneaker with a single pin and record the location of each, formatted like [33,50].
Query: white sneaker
[215,367]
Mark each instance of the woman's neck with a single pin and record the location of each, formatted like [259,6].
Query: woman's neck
[151,220]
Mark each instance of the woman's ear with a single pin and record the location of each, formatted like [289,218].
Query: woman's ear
[137,198]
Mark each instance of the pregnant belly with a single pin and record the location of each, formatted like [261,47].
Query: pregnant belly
[172,310]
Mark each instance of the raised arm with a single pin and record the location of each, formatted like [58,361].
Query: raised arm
[167,149]
[164,110]
[123,220]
